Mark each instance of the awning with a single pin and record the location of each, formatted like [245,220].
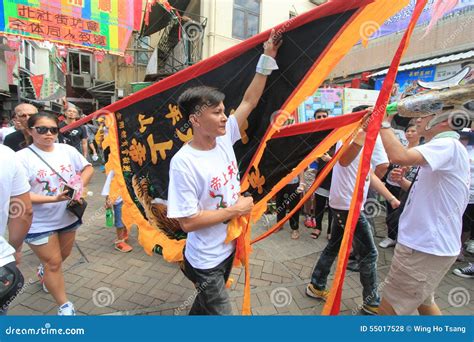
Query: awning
[431,61]
[160,17]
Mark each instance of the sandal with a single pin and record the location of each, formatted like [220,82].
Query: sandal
[122,246]
[315,233]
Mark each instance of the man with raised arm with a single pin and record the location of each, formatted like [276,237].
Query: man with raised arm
[204,188]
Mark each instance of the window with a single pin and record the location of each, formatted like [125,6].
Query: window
[85,64]
[246,18]
[143,43]
[80,63]
[30,55]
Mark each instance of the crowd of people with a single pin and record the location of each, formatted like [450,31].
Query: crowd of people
[424,174]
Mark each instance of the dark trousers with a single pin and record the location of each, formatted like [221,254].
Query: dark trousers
[319,209]
[468,220]
[11,282]
[286,200]
[392,228]
[211,297]
[364,247]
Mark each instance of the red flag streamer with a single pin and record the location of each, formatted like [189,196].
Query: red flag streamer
[13,43]
[10,58]
[332,306]
[440,8]
[37,82]
[137,14]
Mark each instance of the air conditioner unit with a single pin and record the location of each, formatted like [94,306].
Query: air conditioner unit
[81,81]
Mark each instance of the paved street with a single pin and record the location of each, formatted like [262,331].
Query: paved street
[103,281]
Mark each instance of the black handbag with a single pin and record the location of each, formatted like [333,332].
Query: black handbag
[76,207]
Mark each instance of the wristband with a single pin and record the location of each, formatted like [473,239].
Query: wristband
[386,124]
[266,65]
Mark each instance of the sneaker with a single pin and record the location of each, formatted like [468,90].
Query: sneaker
[470,246]
[295,234]
[122,246]
[95,157]
[313,292]
[387,242]
[465,272]
[40,274]
[67,309]
[370,310]
[308,222]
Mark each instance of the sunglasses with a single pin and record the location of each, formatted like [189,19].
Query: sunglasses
[321,117]
[44,130]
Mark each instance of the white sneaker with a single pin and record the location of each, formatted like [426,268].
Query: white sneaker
[387,242]
[470,246]
[466,272]
[40,274]
[95,157]
[67,309]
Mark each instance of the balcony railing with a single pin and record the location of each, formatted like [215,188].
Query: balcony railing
[181,44]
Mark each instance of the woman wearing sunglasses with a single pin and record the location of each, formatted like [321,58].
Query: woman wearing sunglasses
[53,229]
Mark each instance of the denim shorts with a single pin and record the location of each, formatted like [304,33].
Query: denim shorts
[118,215]
[42,238]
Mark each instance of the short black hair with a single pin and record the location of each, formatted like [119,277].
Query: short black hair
[360,108]
[320,110]
[410,124]
[193,100]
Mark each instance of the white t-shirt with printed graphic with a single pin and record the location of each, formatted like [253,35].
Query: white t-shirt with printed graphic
[431,221]
[13,182]
[68,162]
[344,178]
[205,180]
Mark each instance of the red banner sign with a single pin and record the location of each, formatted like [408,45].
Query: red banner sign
[56,26]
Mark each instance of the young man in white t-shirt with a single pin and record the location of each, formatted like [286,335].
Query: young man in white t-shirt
[429,237]
[16,211]
[340,196]
[204,188]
